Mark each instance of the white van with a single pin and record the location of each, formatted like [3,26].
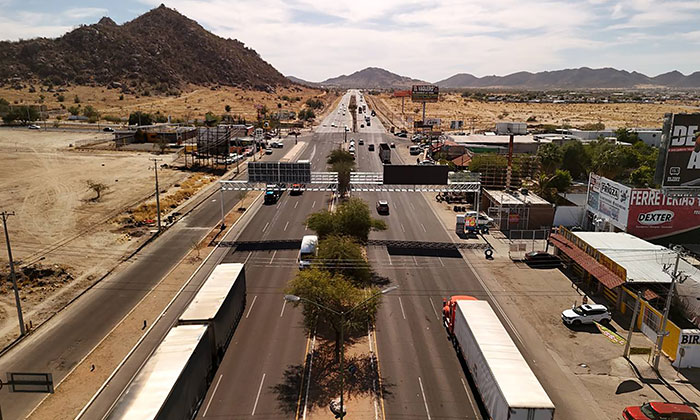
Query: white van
[308,250]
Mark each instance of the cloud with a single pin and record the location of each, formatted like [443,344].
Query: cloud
[80,13]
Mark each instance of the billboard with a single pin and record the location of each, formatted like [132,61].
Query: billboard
[415,174]
[656,216]
[424,93]
[608,200]
[433,121]
[402,93]
[682,164]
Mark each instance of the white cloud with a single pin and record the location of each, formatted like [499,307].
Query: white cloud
[80,13]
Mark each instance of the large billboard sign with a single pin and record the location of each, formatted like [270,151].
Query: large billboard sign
[609,200]
[402,93]
[424,93]
[682,166]
[654,215]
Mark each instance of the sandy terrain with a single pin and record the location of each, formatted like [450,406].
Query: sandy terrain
[44,182]
[484,115]
[192,104]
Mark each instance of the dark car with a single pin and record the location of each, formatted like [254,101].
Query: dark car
[108,129]
[541,259]
[402,134]
[659,411]
[370,148]
[383,207]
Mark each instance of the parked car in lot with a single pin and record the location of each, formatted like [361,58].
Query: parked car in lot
[383,207]
[108,129]
[542,259]
[268,151]
[586,314]
[361,142]
[34,127]
[659,411]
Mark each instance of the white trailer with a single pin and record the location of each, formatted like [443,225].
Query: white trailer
[219,303]
[508,388]
[173,381]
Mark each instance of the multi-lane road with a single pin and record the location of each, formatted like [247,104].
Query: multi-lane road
[418,364]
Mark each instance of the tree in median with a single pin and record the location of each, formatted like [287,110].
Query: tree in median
[343,255]
[335,292]
[342,162]
[351,218]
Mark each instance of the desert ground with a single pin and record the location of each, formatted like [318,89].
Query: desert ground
[191,104]
[484,115]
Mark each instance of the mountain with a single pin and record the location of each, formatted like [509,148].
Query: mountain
[583,77]
[160,50]
[302,81]
[372,78]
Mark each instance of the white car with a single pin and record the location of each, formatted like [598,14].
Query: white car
[332,124]
[34,127]
[586,314]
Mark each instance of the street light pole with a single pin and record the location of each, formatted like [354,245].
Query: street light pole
[342,314]
[12,274]
[155,168]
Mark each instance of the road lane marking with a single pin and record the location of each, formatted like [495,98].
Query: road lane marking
[379,376]
[308,382]
[284,304]
[389,255]
[266,225]
[402,228]
[374,380]
[279,204]
[285,225]
[421,225]
[402,311]
[247,258]
[212,395]
[301,388]
[469,396]
[251,305]
[273,257]
[415,260]
[258,397]
[296,204]
[434,311]
[412,206]
[441,263]
[425,402]
[313,204]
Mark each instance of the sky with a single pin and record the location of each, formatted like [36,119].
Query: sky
[428,39]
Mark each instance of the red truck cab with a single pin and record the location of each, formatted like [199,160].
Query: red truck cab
[448,310]
[659,411]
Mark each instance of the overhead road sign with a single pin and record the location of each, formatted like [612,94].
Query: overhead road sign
[278,172]
[681,169]
[415,174]
[425,93]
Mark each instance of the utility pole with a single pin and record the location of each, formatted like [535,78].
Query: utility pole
[662,333]
[632,324]
[155,168]
[4,214]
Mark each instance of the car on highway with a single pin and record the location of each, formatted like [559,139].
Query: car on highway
[659,411]
[108,129]
[383,207]
[392,145]
[370,147]
[542,259]
[361,142]
[333,125]
[34,127]
[276,145]
[362,126]
[297,189]
[586,314]
[268,151]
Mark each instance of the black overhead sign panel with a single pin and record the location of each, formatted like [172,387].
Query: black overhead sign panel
[415,174]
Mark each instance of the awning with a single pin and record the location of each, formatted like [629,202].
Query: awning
[588,263]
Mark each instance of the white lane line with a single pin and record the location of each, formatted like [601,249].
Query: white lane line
[402,311]
[412,206]
[308,381]
[415,260]
[313,204]
[279,204]
[251,305]
[434,311]
[374,380]
[425,402]
[284,304]
[296,204]
[258,397]
[464,384]
[421,225]
[273,257]
[441,263]
[402,228]
[286,225]
[266,225]
[212,395]
[389,255]
[247,258]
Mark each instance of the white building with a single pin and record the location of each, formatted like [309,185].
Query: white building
[511,128]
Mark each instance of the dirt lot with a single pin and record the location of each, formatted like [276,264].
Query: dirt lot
[56,223]
[191,104]
[484,115]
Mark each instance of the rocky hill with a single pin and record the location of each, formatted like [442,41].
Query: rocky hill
[161,50]
[302,82]
[583,77]
[372,78]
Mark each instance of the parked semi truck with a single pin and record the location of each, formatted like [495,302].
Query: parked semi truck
[507,386]
[384,153]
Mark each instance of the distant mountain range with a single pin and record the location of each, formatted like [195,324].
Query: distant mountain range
[302,81]
[581,78]
[158,50]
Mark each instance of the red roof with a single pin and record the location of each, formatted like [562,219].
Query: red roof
[588,263]
[463,160]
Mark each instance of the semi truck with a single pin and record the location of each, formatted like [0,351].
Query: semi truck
[505,382]
[384,153]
